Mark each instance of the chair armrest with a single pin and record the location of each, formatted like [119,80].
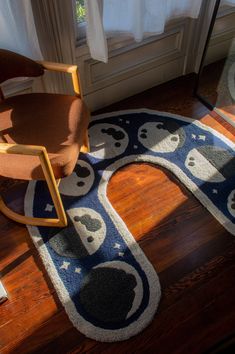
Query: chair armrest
[65,68]
[21,149]
[33,150]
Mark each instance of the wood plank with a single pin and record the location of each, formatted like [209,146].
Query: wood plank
[192,253]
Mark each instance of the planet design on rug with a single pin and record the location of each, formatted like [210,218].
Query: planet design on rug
[161,136]
[114,280]
[82,237]
[210,163]
[80,181]
[107,140]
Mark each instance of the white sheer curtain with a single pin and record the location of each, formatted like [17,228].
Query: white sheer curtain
[54,20]
[17,29]
[133,17]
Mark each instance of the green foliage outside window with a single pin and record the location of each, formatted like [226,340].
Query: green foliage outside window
[80,11]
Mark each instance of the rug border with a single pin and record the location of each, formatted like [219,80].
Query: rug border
[78,321]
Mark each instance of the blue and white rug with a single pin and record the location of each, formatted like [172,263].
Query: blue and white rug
[109,289]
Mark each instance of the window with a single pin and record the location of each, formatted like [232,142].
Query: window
[80,12]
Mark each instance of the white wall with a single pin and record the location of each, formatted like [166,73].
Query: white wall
[133,68]
[222,36]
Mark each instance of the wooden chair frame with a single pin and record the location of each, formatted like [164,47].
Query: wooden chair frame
[41,152]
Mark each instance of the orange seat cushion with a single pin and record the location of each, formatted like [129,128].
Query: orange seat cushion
[58,122]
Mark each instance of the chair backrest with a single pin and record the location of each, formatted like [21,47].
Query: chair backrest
[16,65]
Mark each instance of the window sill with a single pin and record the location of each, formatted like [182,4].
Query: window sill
[123,43]
[114,43]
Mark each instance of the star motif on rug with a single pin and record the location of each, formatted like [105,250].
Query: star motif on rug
[202,137]
[65,265]
[194,136]
[121,254]
[78,270]
[120,119]
[116,245]
[215,191]
[135,147]
[49,207]
[127,122]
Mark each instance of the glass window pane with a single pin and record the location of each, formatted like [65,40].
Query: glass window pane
[80,11]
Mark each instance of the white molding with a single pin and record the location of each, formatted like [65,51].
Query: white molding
[133,85]
[125,64]
[133,67]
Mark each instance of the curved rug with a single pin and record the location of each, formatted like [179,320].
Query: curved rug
[108,288]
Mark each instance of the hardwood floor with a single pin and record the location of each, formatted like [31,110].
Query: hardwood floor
[192,253]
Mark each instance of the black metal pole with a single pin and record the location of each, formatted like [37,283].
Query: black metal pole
[195,91]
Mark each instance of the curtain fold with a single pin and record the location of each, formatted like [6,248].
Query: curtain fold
[137,18]
[54,20]
[96,38]
[17,28]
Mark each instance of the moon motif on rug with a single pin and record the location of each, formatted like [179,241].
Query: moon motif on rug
[105,282]
[83,236]
[161,137]
[107,140]
[210,163]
